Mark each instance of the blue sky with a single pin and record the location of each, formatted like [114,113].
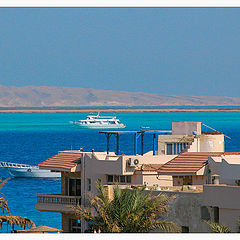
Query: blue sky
[182,51]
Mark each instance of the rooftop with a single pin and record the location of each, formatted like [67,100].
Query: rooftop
[187,163]
[65,160]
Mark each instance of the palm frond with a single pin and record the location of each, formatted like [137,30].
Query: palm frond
[218,228]
[3,182]
[128,211]
[16,220]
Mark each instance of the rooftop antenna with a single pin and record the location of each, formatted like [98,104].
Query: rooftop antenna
[214,130]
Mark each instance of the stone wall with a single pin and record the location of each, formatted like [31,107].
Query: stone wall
[186,210]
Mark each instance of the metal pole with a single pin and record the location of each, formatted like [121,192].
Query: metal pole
[154,136]
[117,143]
[142,143]
[135,143]
[108,136]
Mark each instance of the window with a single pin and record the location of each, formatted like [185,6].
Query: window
[216,214]
[175,148]
[110,178]
[185,229]
[187,180]
[74,225]
[237,182]
[116,179]
[89,184]
[128,179]
[74,187]
[205,215]
[122,179]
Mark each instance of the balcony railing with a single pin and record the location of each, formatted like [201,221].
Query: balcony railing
[58,199]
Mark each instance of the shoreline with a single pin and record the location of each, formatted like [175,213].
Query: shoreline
[119,110]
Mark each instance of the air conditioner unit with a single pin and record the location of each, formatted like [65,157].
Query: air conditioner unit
[133,162]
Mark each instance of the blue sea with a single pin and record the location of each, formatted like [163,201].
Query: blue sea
[33,137]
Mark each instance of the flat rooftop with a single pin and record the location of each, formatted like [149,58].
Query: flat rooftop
[140,131]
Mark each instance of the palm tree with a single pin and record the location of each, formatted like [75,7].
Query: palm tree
[128,211]
[10,219]
[3,200]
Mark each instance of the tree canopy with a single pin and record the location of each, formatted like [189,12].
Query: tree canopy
[128,211]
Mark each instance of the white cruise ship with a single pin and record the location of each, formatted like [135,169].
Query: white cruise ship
[97,121]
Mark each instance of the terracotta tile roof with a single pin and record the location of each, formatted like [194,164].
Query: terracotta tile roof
[148,167]
[61,161]
[187,163]
[231,153]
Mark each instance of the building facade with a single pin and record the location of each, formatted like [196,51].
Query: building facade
[184,161]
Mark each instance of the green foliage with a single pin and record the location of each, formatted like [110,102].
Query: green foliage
[218,228]
[129,211]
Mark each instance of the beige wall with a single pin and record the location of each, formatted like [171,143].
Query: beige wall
[229,217]
[227,199]
[153,179]
[98,169]
[228,167]
[185,210]
[65,221]
[186,128]
[212,143]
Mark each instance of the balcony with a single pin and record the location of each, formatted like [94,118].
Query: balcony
[56,203]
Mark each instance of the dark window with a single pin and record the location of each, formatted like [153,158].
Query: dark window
[237,182]
[185,229]
[169,149]
[66,186]
[74,225]
[216,214]
[116,179]
[74,187]
[128,179]
[187,180]
[122,179]
[205,215]
[110,178]
[89,184]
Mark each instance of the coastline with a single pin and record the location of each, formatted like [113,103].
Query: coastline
[87,110]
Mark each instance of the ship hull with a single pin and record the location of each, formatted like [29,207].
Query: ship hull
[32,173]
[100,126]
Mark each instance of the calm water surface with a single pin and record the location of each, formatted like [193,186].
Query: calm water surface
[32,138]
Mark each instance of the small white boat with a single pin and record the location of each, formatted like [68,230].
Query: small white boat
[97,121]
[19,170]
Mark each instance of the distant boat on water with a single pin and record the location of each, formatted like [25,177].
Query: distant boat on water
[19,170]
[99,122]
